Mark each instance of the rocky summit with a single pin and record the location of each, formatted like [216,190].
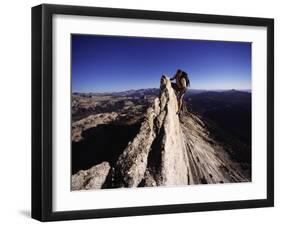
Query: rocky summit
[165,150]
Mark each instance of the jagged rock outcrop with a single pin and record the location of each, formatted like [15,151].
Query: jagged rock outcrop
[166,151]
[157,155]
[92,178]
[132,163]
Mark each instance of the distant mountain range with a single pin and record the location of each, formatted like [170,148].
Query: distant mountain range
[153,92]
[131,92]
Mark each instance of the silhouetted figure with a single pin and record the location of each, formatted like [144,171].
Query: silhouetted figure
[180,87]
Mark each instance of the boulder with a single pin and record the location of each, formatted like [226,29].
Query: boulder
[92,178]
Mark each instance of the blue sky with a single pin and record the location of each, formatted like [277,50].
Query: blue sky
[116,63]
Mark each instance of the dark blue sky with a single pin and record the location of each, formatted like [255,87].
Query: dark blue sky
[114,63]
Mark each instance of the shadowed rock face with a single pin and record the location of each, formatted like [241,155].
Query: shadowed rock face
[167,151]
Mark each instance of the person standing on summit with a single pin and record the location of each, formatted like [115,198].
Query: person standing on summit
[180,87]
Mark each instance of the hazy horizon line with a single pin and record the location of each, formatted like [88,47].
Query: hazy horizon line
[226,89]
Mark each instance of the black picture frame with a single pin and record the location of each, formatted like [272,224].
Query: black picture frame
[42,111]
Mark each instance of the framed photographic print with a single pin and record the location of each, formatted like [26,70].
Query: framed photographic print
[145,112]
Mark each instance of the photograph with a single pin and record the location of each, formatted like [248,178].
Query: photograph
[145,112]
[149,111]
